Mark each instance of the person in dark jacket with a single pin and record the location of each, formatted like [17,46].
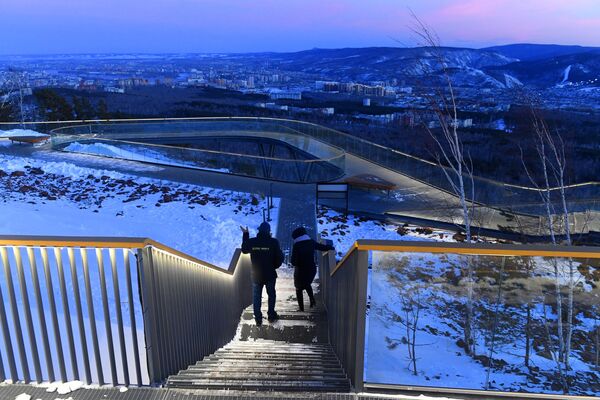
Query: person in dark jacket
[266,256]
[303,260]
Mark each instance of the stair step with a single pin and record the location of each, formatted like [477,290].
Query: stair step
[264,359]
[279,363]
[272,375]
[273,354]
[315,370]
[292,355]
[270,344]
[276,355]
[263,344]
[263,385]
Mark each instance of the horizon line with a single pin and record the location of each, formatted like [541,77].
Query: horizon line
[284,52]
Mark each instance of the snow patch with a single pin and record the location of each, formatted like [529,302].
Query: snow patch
[12,163]
[68,387]
[566,73]
[21,133]
[511,81]
[133,153]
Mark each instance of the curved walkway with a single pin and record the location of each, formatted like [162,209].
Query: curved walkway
[412,200]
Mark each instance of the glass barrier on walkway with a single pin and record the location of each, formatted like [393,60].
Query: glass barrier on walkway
[484,322]
[487,191]
[310,160]
[330,142]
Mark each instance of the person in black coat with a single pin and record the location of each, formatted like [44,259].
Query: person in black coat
[303,260]
[266,257]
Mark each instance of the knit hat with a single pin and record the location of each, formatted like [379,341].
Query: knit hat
[264,228]
[298,232]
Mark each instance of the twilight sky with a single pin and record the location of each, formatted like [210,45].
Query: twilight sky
[100,26]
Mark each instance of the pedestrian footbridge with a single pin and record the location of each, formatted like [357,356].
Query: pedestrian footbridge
[133,312]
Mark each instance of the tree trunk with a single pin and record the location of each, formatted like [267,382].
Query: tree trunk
[597,347]
[527,335]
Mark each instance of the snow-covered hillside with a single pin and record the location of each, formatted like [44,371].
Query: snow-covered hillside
[345,230]
[59,198]
[514,315]
[513,324]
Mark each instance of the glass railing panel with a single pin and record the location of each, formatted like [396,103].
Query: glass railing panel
[327,145]
[300,170]
[498,323]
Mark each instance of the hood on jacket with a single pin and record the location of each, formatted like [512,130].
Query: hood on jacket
[301,238]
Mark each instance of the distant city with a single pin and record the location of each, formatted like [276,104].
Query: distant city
[382,94]
[387,77]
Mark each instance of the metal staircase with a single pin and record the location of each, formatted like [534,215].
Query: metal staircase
[290,355]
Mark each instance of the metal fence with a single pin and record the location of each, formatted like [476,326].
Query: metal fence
[344,292]
[190,309]
[111,310]
[513,297]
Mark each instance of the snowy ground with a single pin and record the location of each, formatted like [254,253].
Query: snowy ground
[39,197]
[21,133]
[59,198]
[345,230]
[402,283]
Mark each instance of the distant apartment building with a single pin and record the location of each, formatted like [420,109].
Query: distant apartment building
[88,85]
[131,82]
[304,110]
[353,88]
[113,89]
[462,123]
[286,95]
[272,106]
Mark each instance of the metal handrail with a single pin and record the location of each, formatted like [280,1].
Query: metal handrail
[165,119]
[350,303]
[186,308]
[103,242]
[488,249]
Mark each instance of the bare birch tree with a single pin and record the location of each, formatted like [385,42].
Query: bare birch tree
[455,164]
[18,81]
[552,165]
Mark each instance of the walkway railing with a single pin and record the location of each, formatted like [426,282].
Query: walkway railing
[172,143]
[111,310]
[520,198]
[478,319]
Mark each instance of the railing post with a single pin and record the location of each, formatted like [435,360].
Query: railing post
[362,277]
[149,310]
